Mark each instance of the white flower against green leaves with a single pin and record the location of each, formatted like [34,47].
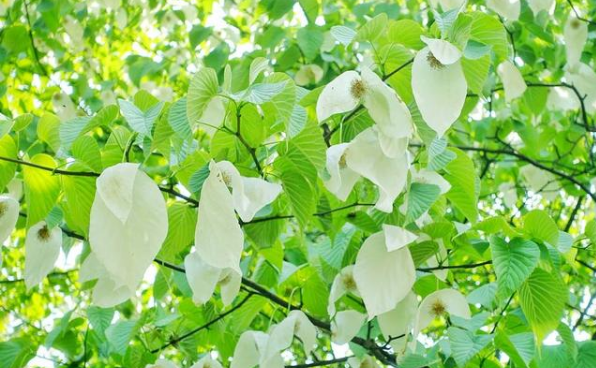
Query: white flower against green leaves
[204,278]
[439,304]
[207,362]
[384,278]
[399,321]
[575,35]
[9,214]
[513,82]
[583,77]
[345,326]
[162,363]
[42,248]
[439,84]
[309,74]
[508,9]
[342,283]
[282,334]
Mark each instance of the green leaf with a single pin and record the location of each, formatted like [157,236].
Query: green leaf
[182,220]
[86,150]
[464,185]
[120,334]
[71,130]
[372,29]
[446,20]
[514,262]
[100,318]
[15,38]
[8,149]
[300,191]
[465,344]
[141,122]
[519,347]
[79,193]
[41,188]
[541,226]
[490,31]
[542,298]
[310,40]
[260,93]
[420,198]
[16,353]
[406,32]
[203,87]
[476,72]
[311,9]
[475,50]
[343,34]
[586,357]
[178,119]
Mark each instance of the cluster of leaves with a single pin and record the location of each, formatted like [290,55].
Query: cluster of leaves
[85,86]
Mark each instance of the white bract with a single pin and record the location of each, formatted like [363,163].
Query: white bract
[447,4]
[162,363]
[251,351]
[383,278]
[342,283]
[128,225]
[364,362]
[508,9]
[540,181]
[341,177]
[399,321]
[583,77]
[436,304]
[346,325]
[9,214]
[309,74]
[540,5]
[204,278]
[207,362]
[42,248]
[513,82]
[384,106]
[575,35]
[438,84]
[426,176]
[282,334]
[218,236]
[397,237]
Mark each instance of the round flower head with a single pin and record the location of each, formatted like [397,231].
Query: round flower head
[439,303]
[438,84]
[42,248]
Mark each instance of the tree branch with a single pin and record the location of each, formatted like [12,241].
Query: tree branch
[320,363]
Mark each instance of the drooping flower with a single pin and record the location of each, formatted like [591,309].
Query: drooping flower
[508,9]
[106,293]
[251,351]
[346,325]
[341,177]
[539,5]
[366,157]
[161,363]
[426,176]
[383,278]
[575,35]
[364,362]
[42,248]
[513,81]
[384,106]
[9,214]
[342,283]
[438,84]
[218,237]
[207,362]
[204,278]
[281,335]
[397,237]
[399,321]
[540,181]
[439,303]
[309,74]
[128,225]
[583,77]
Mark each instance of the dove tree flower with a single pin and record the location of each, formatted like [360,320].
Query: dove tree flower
[397,323]
[207,362]
[384,106]
[309,74]
[439,303]
[218,237]
[583,77]
[345,326]
[365,157]
[282,334]
[508,9]
[575,35]
[251,351]
[42,248]
[204,278]
[129,223]
[513,81]
[342,283]
[364,362]
[383,277]
[162,363]
[9,215]
[439,84]
[541,5]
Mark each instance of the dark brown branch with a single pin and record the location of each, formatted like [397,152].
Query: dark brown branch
[321,363]
[318,214]
[451,267]
[576,209]
[203,327]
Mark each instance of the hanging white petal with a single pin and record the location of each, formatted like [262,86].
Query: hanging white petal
[562,98]
[340,95]
[15,189]
[128,224]
[439,90]
[365,157]
[540,181]
[218,236]
[540,5]
[9,215]
[64,107]
[207,362]
[513,82]
[399,320]
[202,277]
[342,283]
[426,176]
[509,194]
[346,325]
[42,248]
[442,301]
[341,177]
[445,52]
[213,116]
[106,293]
[161,363]
[296,323]
[583,77]
[309,74]
[388,111]
[229,284]
[383,278]
[508,9]
[251,350]
[575,35]
[364,362]
[397,237]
